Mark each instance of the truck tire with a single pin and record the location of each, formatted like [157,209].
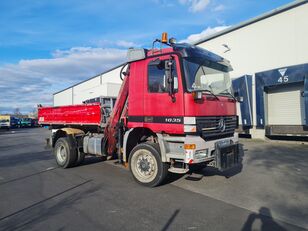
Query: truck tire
[65,152]
[146,165]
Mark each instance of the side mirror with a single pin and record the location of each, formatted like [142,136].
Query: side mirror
[240,99]
[197,95]
[203,80]
[175,84]
[170,83]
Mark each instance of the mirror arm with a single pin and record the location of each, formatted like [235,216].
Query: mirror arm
[170,80]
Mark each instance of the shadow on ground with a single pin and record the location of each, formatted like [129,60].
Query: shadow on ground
[39,212]
[273,155]
[24,159]
[92,160]
[266,220]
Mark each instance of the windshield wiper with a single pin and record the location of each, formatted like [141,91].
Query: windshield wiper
[209,91]
[226,91]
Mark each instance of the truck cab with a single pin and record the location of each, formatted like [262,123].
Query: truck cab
[183,95]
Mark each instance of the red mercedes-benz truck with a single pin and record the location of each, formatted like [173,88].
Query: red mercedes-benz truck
[175,109]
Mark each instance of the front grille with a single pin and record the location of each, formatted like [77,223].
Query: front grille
[214,127]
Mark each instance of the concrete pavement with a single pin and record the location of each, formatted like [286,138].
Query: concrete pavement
[35,194]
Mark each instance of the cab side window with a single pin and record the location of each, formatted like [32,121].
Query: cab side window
[157,78]
[157,82]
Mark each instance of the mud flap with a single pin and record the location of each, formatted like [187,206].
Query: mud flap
[227,156]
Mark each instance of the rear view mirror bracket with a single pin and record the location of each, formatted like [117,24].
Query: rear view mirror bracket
[170,77]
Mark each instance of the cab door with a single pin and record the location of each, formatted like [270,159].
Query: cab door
[163,112]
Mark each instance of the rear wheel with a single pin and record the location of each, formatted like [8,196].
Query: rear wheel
[65,152]
[146,166]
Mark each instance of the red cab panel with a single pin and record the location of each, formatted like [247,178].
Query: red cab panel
[150,105]
[209,106]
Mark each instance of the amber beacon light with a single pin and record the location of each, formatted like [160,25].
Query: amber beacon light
[164,37]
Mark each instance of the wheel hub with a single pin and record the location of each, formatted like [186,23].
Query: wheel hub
[144,165]
[61,154]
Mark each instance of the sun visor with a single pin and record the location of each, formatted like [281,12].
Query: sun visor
[135,54]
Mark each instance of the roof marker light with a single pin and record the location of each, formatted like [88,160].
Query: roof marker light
[164,37]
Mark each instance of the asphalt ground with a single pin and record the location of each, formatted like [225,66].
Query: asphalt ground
[269,192]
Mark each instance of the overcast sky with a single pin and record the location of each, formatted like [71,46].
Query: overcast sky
[46,46]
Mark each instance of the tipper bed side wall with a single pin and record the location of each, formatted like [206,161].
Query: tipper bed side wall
[83,114]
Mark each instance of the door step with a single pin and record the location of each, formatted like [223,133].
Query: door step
[178,170]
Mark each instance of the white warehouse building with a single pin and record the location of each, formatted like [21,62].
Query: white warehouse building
[269,55]
[104,84]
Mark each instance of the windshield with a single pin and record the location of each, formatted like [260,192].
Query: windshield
[4,121]
[206,77]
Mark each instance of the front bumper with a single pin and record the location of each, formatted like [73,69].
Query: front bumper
[221,153]
[4,126]
[25,125]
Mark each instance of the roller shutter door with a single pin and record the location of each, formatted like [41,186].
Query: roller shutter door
[285,106]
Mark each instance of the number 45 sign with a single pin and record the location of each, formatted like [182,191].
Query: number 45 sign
[283,78]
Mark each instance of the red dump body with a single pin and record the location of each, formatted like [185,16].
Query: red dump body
[83,114]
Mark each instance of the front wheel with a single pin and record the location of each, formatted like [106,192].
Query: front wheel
[146,165]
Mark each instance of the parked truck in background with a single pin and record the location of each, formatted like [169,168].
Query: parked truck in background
[14,122]
[26,123]
[175,109]
[5,121]
[8,121]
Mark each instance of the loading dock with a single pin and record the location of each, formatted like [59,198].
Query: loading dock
[282,101]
